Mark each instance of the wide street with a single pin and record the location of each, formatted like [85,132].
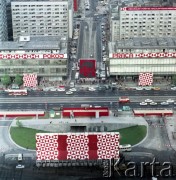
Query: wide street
[108,98]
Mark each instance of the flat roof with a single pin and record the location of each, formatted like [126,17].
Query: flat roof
[37,43]
[143,43]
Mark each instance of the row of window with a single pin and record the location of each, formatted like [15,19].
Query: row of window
[41,5]
[29,13]
[46,71]
[41,9]
[149,14]
[135,34]
[33,62]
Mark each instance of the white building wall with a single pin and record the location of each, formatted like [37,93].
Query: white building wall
[146,23]
[40,18]
[135,66]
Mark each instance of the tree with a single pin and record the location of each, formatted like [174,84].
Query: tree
[174,79]
[6,80]
[19,123]
[18,80]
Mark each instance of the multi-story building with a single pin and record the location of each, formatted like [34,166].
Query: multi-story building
[42,18]
[139,55]
[3,21]
[129,22]
[45,56]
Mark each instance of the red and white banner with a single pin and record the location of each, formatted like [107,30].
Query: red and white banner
[30,80]
[72,146]
[148,8]
[32,56]
[144,55]
[145,79]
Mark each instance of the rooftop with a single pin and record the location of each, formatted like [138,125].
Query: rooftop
[36,43]
[144,43]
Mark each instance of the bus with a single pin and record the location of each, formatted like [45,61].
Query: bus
[125,148]
[124,99]
[17,92]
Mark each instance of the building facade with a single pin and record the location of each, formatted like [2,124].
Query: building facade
[3,21]
[45,56]
[129,22]
[143,55]
[42,18]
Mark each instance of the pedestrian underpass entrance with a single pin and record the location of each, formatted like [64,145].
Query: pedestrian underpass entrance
[78,128]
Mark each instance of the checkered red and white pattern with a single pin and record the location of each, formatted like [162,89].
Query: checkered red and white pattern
[108,146]
[145,79]
[47,147]
[72,146]
[30,80]
[77,147]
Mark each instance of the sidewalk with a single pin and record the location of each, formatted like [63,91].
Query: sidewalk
[169,122]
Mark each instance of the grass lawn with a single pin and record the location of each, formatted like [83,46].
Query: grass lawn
[24,137]
[132,135]
[24,118]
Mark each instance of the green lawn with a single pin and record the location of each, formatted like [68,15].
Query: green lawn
[132,135]
[25,118]
[24,137]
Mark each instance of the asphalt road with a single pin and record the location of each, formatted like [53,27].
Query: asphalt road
[83,92]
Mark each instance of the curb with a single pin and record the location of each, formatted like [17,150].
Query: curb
[20,147]
[143,139]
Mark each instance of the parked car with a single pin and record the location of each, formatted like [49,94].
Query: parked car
[139,88]
[173,88]
[69,92]
[72,89]
[156,88]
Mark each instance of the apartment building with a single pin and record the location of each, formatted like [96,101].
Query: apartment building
[138,55]
[129,22]
[45,56]
[3,21]
[42,18]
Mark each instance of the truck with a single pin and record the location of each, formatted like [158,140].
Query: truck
[126,108]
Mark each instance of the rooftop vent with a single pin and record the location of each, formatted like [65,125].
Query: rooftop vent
[24,38]
[145,43]
[161,43]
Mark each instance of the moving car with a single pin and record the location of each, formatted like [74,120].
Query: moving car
[173,88]
[153,103]
[91,89]
[170,101]
[164,103]
[143,103]
[148,100]
[69,92]
[20,166]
